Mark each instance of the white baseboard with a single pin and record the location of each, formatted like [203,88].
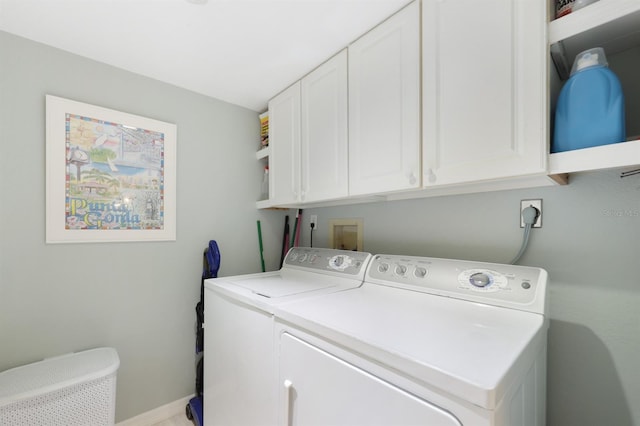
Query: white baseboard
[158,414]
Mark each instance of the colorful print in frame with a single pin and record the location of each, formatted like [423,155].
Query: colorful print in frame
[110,175]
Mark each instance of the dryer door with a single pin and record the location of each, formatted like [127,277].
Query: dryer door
[318,388]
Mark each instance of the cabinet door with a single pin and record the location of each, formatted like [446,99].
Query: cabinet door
[484,90]
[384,106]
[316,388]
[324,131]
[284,140]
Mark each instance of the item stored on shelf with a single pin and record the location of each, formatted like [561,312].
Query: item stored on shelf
[264,129]
[264,188]
[590,109]
[564,7]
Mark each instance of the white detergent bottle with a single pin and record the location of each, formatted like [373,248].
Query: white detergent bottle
[590,109]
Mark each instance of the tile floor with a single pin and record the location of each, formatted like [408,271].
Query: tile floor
[177,420]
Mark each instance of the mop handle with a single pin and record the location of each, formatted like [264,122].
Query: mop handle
[260,245]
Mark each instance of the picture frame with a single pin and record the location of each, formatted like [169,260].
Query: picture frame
[110,175]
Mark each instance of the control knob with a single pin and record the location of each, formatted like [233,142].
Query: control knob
[420,272]
[480,279]
[339,262]
[401,270]
[383,267]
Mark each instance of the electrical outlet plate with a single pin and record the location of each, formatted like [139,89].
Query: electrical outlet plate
[313,219]
[537,203]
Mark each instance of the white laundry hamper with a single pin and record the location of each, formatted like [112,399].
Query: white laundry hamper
[73,389]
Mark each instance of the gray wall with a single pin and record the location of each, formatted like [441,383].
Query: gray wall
[589,244]
[136,297]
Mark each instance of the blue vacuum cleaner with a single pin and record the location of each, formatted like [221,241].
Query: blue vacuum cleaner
[211,264]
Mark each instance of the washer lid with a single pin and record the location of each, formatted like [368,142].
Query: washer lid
[268,289]
[276,287]
[471,350]
[305,271]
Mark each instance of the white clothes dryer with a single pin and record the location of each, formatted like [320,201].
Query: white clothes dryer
[239,357]
[423,341]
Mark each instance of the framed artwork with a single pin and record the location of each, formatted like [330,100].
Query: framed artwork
[110,176]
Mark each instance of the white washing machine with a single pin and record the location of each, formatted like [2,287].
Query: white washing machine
[239,358]
[423,341]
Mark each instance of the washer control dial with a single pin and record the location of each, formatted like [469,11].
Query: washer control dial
[339,262]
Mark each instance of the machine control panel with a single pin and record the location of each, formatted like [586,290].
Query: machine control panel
[321,259]
[514,286]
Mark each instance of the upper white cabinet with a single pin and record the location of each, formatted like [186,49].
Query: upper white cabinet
[384,106]
[612,25]
[484,90]
[308,137]
[324,131]
[284,142]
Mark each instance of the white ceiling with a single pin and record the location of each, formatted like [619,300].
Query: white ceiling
[239,51]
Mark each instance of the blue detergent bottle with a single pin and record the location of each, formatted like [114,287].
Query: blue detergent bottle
[590,109]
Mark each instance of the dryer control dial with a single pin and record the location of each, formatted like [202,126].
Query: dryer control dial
[420,272]
[482,280]
[401,270]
